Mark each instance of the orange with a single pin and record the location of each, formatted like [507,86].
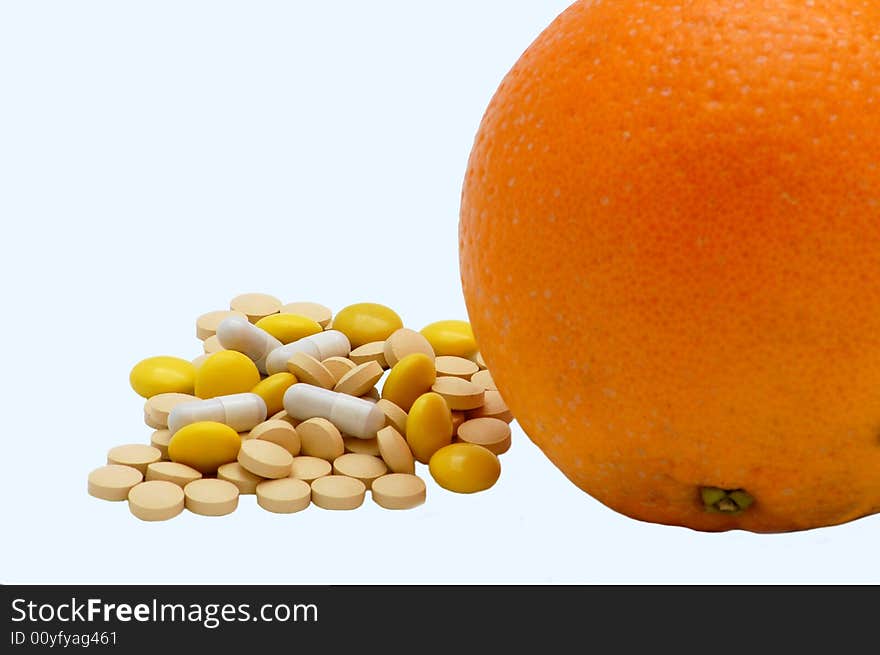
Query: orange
[670,253]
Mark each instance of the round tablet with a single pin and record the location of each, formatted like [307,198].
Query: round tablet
[284,416]
[484,379]
[156,500]
[310,468]
[458,367]
[362,446]
[338,366]
[198,361]
[365,468]
[338,492]
[318,313]
[457,419]
[239,476]
[211,497]
[265,458]
[136,455]
[360,379]
[399,491]
[284,496]
[320,438]
[206,324]
[160,406]
[405,342]
[159,440]
[113,482]
[493,406]
[395,451]
[459,393]
[394,416]
[212,345]
[255,305]
[309,370]
[280,432]
[373,395]
[491,433]
[478,359]
[369,352]
[179,474]
[152,422]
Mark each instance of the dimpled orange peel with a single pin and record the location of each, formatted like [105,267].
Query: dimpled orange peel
[670,253]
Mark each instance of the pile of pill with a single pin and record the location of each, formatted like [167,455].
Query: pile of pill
[284,404]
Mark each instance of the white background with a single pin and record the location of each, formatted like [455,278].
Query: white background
[158,158]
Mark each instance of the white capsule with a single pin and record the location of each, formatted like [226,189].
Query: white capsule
[330,343]
[240,411]
[237,333]
[353,416]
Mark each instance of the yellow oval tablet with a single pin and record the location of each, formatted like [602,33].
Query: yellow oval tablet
[205,446]
[365,322]
[454,338]
[465,468]
[162,374]
[272,389]
[225,373]
[288,328]
[408,379]
[428,426]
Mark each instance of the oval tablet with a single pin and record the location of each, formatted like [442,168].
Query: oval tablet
[239,476]
[255,305]
[288,328]
[491,433]
[360,379]
[284,496]
[309,370]
[458,393]
[405,342]
[369,352]
[395,451]
[365,468]
[318,313]
[113,482]
[428,426]
[206,324]
[365,322]
[409,378]
[451,338]
[272,389]
[156,500]
[179,474]
[280,432]
[211,497]
[338,492]
[320,438]
[156,375]
[226,373]
[310,468]
[398,491]
[204,445]
[159,439]
[458,367]
[135,455]
[465,468]
[265,459]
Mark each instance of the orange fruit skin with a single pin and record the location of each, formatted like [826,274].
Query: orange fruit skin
[670,254]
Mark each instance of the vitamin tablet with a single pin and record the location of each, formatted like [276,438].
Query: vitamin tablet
[320,438]
[353,416]
[113,482]
[428,426]
[398,491]
[465,468]
[310,468]
[360,379]
[451,338]
[338,366]
[226,373]
[206,324]
[394,416]
[159,406]
[457,419]
[365,468]
[211,497]
[321,346]
[458,367]
[239,476]
[459,394]
[493,406]
[156,500]
[135,455]
[280,432]
[409,378]
[491,433]
[365,322]
[484,379]
[284,496]
[395,451]
[212,345]
[204,445]
[369,352]
[271,390]
[152,422]
[309,370]
[284,416]
[361,446]
[156,375]
[198,361]
[240,411]
[478,359]
[318,313]
[265,459]
[159,439]
[236,333]
[372,395]
[179,474]
[255,305]
[338,492]
[288,328]
[405,342]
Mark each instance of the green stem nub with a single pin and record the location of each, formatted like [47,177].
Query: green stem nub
[725,501]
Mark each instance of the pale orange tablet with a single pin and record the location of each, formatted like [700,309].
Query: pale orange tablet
[360,379]
[320,438]
[338,492]
[206,324]
[280,432]
[457,367]
[179,474]
[478,359]
[151,422]
[239,476]
[373,395]
[135,455]
[399,491]
[369,352]
[339,366]
[159,439]
[284,496]
[394,415]
[459,394]
[255,305]
[491,433]
[212,345]
[361,446]
[211,497]
[156,500]
[264,458]
[365,468]
[310,468]
[493,406]
[284,416]
[394,450]
[318,313]
[158,407]
[113,482]
[458,418]
[405,342]
[309,370]
[484,379]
